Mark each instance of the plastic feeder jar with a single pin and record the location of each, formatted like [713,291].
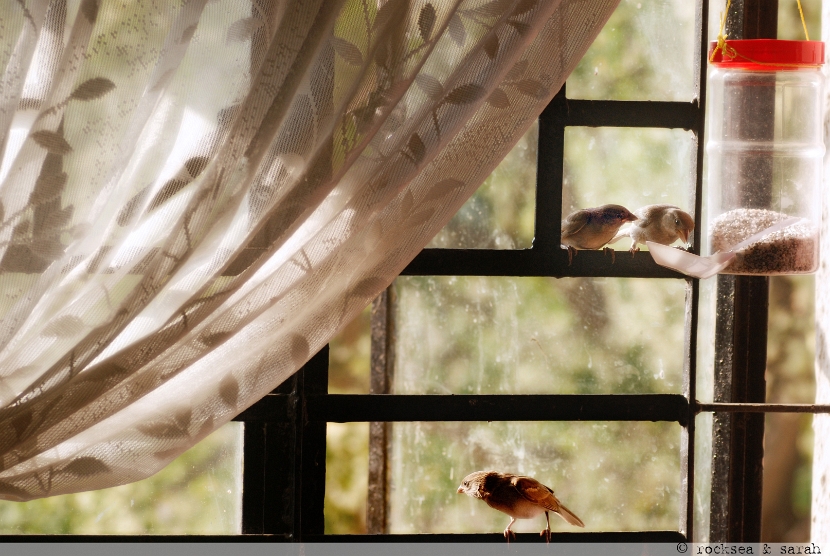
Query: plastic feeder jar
[765,153]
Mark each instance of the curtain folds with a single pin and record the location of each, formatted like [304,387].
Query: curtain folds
[195,196]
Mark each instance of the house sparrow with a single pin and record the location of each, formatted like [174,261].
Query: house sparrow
[517,496]
[658,223]
[593,227]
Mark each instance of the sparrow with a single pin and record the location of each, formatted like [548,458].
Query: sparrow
[517,496]
[658,223]
[592,228]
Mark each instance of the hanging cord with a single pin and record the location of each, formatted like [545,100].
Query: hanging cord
[803,24]
[729,52]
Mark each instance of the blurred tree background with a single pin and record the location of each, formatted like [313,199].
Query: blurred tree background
[529,335]
[200,493]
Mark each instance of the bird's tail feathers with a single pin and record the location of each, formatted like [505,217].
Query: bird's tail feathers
[569,516]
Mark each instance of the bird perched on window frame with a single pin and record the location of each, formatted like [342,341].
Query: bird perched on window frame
[663,224]
[593,228]
[518,496]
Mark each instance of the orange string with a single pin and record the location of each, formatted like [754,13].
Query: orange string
[803,23]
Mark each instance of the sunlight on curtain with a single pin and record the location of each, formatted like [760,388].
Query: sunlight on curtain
[196,196]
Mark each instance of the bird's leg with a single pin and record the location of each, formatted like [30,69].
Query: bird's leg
[507,532]
[571,253]
[633,249]
[606,250]
[546,531]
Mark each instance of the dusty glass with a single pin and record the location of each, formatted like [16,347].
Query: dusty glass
[501,213]
[347,476]
[347,444]
[703,477]
[620,476]
[646,51]
[349,354]
[199,493]
[491,335]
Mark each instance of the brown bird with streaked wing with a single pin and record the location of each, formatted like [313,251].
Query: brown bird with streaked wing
[592,228]
[517,496]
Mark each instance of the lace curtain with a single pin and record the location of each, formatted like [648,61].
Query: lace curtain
[196,195]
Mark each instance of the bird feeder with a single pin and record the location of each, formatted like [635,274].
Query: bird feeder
[765,154]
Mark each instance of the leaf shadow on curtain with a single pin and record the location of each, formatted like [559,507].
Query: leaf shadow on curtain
[195,199]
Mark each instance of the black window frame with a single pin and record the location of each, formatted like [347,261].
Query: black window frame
[285,432]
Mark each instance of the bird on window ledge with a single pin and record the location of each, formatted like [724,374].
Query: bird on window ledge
[593,228]
[663,224]
[517,496]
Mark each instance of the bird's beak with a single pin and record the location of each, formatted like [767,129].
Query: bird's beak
[460,490]
[631,218]
[685,234]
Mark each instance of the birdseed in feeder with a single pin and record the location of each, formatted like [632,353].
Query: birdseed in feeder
[791,250]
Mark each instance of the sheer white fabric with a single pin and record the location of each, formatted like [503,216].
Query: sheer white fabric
[196,195]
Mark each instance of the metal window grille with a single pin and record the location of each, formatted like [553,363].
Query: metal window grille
[285,433]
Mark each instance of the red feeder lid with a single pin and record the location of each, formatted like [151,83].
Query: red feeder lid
[768,54]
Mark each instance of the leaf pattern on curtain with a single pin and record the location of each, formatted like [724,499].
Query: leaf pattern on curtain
[196,196]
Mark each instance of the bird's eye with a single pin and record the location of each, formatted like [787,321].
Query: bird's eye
[676,222]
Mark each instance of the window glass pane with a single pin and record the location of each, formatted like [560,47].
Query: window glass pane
[347,475]
[788,469]
[791,343]
[646,51]
[620,476]
[500,215]
[490,335]
[347,444]
[788,437]
[706,340]
[198,493]
[349,353]
[627,166]
[703,477]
